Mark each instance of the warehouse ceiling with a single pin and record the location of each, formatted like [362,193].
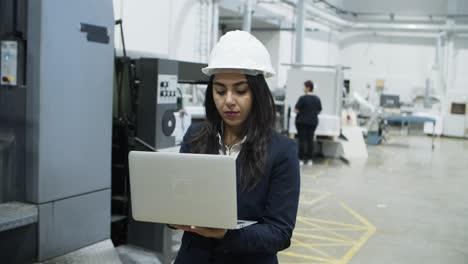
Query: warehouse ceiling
[231,17]
[403,8]
[352,15]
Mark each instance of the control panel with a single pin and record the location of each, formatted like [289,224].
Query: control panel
[9,63]
[167,89]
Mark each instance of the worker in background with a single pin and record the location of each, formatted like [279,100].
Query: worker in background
[308,107]
[240,122]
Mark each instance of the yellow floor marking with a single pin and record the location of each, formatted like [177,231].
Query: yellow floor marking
[323,238]
[303,256]
[331,222]
[335,229]
[330,244]
[301,244]
[302,262]
[356,215]
[326,230]
[309,223]
[327,161]
[331,228]
[313,191]
[362,240]
[304,190]
[315,175]
[313,201]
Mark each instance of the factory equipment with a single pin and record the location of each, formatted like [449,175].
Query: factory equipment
[11,61]
[378,118]
[12,100]
[456,116]
[156,82]
[328,82]
[328,86]
[390,101]
[147,110]
[55,126]
[159,97]
[157,102]
[7,165]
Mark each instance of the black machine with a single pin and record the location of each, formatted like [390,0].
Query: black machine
[55,118]
[12,101]
[157,102]
[390,101]
[146,97]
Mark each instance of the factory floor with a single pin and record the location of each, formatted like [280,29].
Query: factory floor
[405,204]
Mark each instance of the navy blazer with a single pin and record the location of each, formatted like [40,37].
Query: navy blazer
[273,203]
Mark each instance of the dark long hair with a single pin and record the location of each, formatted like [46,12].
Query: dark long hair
[258,130]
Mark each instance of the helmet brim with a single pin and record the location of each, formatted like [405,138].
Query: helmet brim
[213,70]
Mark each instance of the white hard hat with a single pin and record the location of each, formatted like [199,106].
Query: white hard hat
[240,51]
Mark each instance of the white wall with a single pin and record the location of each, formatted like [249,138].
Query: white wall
[460,73]
[180,30]
[144,31]
[176,29]
[286,55]
[403,62]
[271,40]
[320,48]
[190,28]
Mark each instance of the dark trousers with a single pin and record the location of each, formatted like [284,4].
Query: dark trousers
[305,134]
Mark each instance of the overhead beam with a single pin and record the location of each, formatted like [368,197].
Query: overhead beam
[300,16]
[247,20]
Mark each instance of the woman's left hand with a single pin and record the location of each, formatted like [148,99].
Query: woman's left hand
[204,231]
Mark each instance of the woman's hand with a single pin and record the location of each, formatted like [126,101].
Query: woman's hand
[203,231]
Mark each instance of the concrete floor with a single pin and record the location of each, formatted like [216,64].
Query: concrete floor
[405,204]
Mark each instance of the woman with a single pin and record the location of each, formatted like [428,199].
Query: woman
[307,108]
[239,122]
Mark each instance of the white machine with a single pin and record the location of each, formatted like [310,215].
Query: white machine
[329,125]
[456,115]
[328,82]
[184,189]
[328,86]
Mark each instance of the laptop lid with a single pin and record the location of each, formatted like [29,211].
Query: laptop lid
[183,189]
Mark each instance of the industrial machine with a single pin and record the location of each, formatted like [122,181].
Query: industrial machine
[456,116]
[147,96]
[328,82]
[157,102]
[390,101]
[55,126]
[12,101]
[328,86]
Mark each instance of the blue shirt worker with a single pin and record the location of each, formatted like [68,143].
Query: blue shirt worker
[240,121]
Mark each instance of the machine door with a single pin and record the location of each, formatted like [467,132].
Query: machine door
[70,72]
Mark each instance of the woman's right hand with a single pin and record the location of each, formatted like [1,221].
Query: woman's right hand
[182,227]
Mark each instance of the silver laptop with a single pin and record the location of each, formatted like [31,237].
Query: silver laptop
[184,189]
